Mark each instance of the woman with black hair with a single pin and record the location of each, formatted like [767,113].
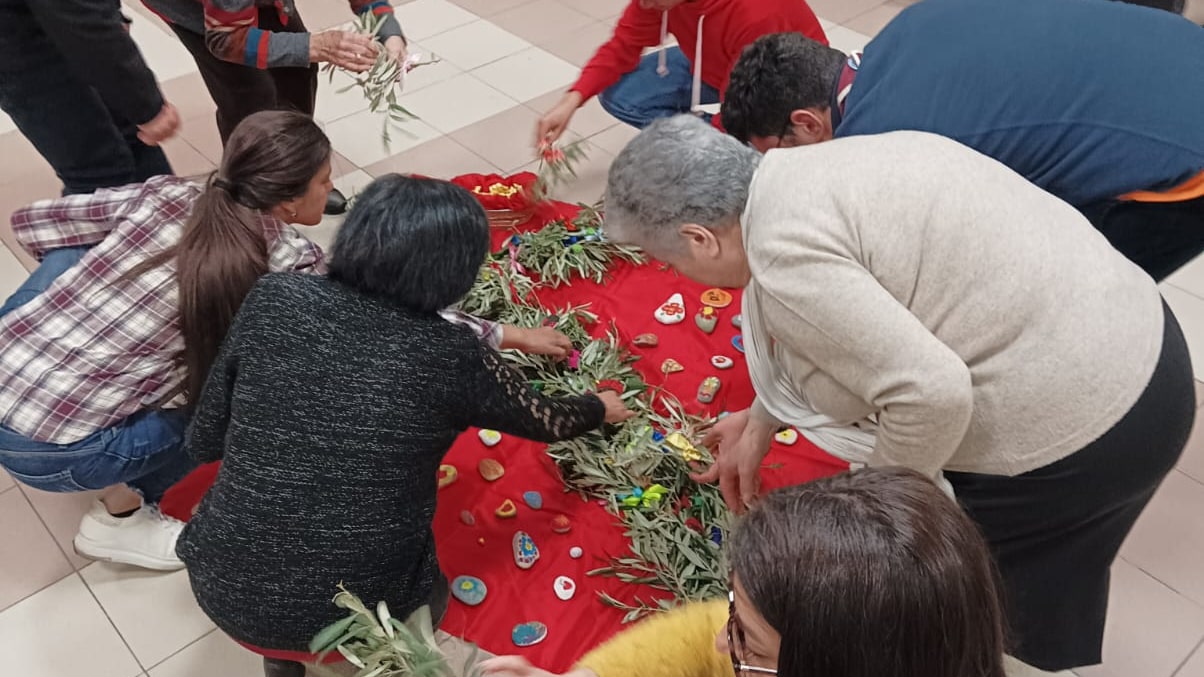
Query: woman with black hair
[874,573]
[332,402]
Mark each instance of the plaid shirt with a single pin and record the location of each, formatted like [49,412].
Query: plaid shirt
[93,349]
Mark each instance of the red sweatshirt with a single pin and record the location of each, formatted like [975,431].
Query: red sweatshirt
[730,26]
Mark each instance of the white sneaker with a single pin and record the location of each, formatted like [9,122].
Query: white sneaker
[145,539]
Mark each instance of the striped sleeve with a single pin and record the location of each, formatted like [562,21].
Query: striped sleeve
[232,33]
[381,8]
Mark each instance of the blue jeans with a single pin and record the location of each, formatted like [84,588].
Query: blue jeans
[88,144]
[144,451]
[643,95]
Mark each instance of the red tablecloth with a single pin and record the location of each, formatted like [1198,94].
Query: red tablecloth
[629,298]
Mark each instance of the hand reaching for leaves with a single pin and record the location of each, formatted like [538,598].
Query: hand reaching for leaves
[540,341]
[739,445]
[350,51]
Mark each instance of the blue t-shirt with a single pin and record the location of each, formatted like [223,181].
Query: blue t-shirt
[1088,99]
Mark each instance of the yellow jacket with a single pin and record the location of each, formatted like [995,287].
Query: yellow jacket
[678,643]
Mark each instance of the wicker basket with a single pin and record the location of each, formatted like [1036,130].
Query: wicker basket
[509,218]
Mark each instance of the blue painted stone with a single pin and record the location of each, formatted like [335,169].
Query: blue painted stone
[533,499]
[658,436]
[528,634]
[716,536]
[469,589]
[738,343]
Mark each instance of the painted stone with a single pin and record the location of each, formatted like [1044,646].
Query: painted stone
[481,542]
[645,341]
[525,552]
[490,469]
[683,445]
[489,438]
[671,366]
[722,362]
[533,499]
[469,589]
[708,389]
[738,343]
[737,321]
[447,475]
[506,510]
[788,436]
[672,311]
[576,552]
[529,634]
[561,524]
[717,298]
[467,517]
[564,587]
[706,320]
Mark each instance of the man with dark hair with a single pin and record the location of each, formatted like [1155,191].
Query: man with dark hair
[74,83]
[1099,103]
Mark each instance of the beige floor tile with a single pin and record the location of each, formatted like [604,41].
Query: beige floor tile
[201,133]
[20,158]
[1015,668]
[589,119]
[874,20]
[62,632]
[442,158]
[1189,310]
[6,482]
[338,97]
[188,94]
[30,559]
[424,18]
[155,612]
[840,11]
[320,15]
[358,137]
[62,513]
[456,103]
[579,46]
[1190,277]
[12,275]
[488,8]
[846,40]
[506,140]
[536,21]
[430,74]
[615,139]
[1192,462]
[1168,540]
[475,44]
[214,655]
[6,124]
[1194,667]
[340,166]
[186,160]
[598,9]
[528,74]
[1150,630]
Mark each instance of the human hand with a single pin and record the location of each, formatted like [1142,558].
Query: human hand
[552,125]
[350,51]
[616,410]
[517,666]
[539,341]
[738,455]
[396,47]
[161,127]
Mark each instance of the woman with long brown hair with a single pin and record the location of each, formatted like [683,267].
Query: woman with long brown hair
[875,573]
[109,341]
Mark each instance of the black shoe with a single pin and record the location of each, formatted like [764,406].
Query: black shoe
[335,203]
[275,667]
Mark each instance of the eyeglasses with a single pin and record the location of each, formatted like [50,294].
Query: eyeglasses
[736,632]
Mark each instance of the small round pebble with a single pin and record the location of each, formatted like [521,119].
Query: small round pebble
[575,552]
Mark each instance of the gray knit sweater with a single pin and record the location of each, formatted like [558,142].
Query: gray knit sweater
[331,413]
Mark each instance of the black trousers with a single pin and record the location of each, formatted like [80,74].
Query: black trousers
[1056,530]
[240,91]
[88,144]
[1158,236]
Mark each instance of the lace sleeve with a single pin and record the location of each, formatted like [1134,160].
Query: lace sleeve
[504,401]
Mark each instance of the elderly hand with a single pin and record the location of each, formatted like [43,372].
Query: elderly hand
[161,127]
[539,341]
[552,125]
[616,408]
[396,47]
[739,445]
[350,51]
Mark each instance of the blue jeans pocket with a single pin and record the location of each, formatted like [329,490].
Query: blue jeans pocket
[59,482]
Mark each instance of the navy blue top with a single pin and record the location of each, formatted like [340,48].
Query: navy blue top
[1088,99]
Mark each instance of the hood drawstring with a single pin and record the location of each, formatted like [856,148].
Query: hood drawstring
[662,68]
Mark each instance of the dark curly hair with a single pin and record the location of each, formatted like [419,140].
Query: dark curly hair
[776,75]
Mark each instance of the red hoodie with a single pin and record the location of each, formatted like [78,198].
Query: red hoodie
[730,26]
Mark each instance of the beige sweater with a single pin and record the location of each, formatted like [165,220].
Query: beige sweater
[986,323]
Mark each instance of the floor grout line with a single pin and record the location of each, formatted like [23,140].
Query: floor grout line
[1190,654]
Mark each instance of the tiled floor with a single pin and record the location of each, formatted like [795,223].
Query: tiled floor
[504,62]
